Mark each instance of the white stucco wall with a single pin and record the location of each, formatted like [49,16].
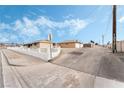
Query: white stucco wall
[43,53]
[78,45]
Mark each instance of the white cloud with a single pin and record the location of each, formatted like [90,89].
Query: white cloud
[28,23]
[13,37]
[8,37]
[41,24]
[30,31]
[43,21]
[68,16]
[4,26]
[18,25]
[61,34]
[72,25]
[4,39]
[26,27]
[121,19]
[29,28]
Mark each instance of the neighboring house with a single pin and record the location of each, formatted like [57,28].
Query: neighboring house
[5,45]
[70,44]
[39,44]
[2,46]
[46,43]
[120,46]
[89,45]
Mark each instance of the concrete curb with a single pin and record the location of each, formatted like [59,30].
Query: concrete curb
[9,79]
[55,57]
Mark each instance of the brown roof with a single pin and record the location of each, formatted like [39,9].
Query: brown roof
[121,41]
[39,41]
[70,41]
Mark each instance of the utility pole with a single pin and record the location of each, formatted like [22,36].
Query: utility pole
[99,41]
[102,40]
[114,50]
[49,38]
[120,26]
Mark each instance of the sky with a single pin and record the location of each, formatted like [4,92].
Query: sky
[24,24]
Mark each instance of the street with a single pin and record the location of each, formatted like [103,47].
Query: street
[75,67]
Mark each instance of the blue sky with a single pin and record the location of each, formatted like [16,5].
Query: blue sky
[23,24]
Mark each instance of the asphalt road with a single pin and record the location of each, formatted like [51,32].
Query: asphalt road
[95,61]
[86,67]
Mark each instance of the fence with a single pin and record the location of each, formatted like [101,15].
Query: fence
[43,53]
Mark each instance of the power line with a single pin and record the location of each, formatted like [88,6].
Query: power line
[92,14]
[109,19]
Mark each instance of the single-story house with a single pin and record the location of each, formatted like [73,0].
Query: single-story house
[70,44]
[39,44]
[89,45]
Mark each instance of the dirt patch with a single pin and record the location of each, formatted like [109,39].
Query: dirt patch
[71,81]
[76,53]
